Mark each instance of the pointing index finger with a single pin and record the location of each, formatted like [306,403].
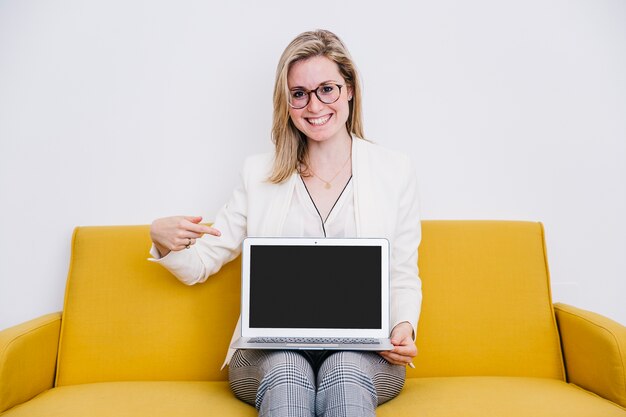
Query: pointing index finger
[206,230]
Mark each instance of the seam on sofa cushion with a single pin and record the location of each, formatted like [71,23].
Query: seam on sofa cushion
[596,395]
[549,284]
[65,298]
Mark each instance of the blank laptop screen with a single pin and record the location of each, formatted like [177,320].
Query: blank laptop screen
[315,287]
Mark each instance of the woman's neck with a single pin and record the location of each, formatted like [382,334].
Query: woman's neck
[329,154]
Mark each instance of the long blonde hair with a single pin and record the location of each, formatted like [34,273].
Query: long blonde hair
[290,143]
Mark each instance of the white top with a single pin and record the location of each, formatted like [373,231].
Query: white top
[303,219]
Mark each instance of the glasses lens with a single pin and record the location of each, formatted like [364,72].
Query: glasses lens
[328,93]
[298,99]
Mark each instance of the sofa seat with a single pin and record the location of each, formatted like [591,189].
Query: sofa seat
[426,397]
[136,399]
[496,397]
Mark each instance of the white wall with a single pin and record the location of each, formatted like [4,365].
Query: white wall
[118,112]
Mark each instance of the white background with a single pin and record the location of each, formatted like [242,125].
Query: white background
[118,112]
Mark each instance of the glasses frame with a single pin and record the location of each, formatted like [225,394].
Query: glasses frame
[308,94]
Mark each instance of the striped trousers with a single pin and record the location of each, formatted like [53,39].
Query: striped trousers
[292,383]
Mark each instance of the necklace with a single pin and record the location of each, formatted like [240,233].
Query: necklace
[327,184]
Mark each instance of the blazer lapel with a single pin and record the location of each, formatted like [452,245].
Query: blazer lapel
[368,208]
[278,208]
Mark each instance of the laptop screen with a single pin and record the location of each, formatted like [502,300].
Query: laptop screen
[315,287]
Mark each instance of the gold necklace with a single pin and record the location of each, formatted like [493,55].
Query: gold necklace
[327,184]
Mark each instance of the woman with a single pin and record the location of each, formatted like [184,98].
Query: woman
[322,180]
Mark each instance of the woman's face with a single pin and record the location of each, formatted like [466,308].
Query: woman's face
[319,121]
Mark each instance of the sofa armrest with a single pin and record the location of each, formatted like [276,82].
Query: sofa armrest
[28,356]
[594,350]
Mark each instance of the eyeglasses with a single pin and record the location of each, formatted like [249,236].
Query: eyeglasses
[326,93]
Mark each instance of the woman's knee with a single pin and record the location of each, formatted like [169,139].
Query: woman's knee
[348,368]
[244,375]
[288,370]
[366,372]
[344,387]
[255,374]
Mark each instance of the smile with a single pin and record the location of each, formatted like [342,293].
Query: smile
[319,121]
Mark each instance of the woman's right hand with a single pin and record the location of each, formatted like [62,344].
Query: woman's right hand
[178,232]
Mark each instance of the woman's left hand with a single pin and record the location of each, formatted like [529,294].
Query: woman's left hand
[404,349]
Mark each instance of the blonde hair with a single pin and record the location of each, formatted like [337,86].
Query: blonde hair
[290,143]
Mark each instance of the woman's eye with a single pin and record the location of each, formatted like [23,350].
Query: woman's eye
[297,95]
[327,89]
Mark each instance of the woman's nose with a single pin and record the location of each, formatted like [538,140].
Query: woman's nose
[314,104]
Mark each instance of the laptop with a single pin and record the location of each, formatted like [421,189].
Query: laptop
[310,293]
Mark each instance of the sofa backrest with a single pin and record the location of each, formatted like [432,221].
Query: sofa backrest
[126,318]
[486,308]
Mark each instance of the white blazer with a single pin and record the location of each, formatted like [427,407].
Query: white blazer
[385,203]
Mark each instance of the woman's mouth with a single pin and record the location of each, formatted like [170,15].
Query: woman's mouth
[318,121]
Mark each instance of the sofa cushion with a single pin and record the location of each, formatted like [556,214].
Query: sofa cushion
[127,319]
[496,397]
[136,399]
[487,308]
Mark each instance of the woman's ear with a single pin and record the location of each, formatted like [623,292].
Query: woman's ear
[349,91]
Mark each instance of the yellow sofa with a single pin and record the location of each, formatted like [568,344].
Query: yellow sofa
[133,341]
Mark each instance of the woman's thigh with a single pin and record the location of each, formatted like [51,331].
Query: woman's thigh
[368,370]
[253,373]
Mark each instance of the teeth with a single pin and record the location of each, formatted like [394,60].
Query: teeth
[319,121]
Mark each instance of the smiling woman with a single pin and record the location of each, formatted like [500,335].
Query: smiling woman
[323,122]
[323,180]
[324,117]
[312,61]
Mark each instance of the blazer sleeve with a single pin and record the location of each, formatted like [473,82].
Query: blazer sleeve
[206,257]
[406,288]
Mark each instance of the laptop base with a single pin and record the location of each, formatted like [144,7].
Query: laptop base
[245,343]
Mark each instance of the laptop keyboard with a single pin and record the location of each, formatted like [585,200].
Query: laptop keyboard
[316,340]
